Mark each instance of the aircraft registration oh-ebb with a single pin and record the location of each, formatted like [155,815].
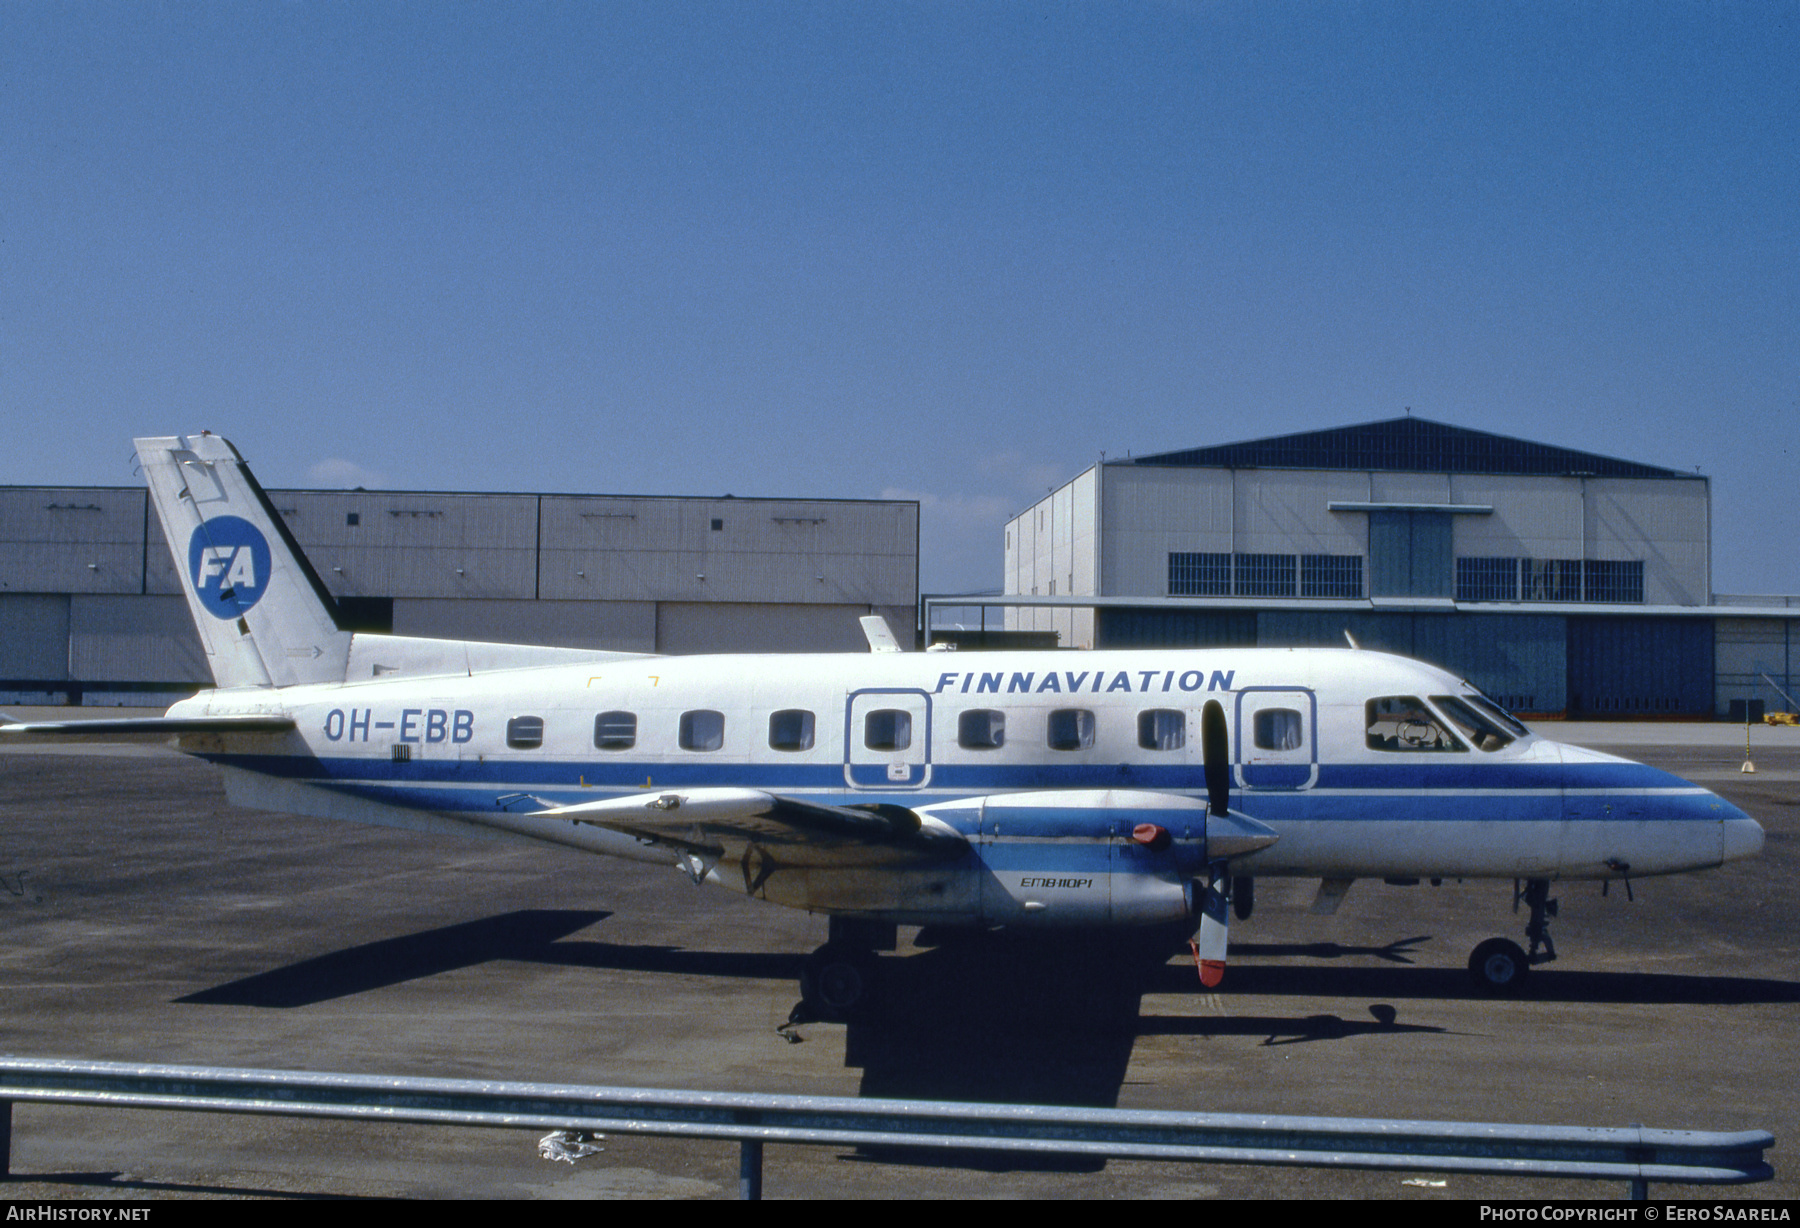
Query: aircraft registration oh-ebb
[1145,788]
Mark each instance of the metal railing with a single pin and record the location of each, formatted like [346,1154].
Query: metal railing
[1635,1154]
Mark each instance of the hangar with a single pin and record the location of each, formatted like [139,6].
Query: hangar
[1564,583]
[91,610]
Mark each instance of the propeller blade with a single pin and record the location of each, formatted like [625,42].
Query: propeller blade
[1215,750]
[1215,920]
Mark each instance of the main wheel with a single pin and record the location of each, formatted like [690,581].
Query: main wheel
[1499,967]
[838,981]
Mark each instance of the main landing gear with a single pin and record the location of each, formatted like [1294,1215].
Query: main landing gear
[839,980]
[1499,966]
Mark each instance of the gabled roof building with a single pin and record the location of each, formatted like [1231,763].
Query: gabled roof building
[1562,582]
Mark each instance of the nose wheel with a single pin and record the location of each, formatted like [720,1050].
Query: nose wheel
[1500,966]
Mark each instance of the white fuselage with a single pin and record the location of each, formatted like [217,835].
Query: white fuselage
[1097,740]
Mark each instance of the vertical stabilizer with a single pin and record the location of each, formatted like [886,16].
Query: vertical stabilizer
[264,617]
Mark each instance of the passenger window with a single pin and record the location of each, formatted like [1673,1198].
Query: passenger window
[981,729]
[1278,729]
[1477,728]
[791,729]
[525,732]
[1071,729]
[1403,722]
[615,731]
[1162,729]
[702,730]
[887,729]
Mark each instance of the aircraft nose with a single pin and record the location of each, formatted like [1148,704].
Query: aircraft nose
[1743,837]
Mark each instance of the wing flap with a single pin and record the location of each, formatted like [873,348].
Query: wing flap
[714,821]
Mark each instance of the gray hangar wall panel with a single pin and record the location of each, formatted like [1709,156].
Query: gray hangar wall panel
[134,639]
[34,636]
[1745,649]
[160,576]
[1640,666]
[419,545]
[72,541]
[621,626]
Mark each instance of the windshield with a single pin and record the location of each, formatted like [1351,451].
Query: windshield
[1485,733]
[1497,712]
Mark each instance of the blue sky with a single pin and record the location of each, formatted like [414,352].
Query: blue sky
[946,251]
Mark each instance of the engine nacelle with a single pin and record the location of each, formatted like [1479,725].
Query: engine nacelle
[1082,857]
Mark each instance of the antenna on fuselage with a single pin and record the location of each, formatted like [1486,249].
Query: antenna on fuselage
[1351,638]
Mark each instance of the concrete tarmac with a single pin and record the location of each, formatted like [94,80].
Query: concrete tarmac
[144,919]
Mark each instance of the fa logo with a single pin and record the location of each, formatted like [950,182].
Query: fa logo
[228,562]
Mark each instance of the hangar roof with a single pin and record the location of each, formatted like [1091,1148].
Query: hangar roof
[1414,445]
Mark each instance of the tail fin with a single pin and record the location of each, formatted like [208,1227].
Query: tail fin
[264,616]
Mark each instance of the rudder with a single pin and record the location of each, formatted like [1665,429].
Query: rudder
[264,616]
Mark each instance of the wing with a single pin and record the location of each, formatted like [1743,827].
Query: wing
[716,822]
[250,722]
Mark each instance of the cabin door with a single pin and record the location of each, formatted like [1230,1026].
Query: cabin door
[1276,737]
[887,739]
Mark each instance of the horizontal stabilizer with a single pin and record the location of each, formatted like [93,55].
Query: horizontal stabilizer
[250,722]
[405,656]
[717,820]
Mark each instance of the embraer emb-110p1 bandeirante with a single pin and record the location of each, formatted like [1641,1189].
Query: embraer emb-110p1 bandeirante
[1142,789]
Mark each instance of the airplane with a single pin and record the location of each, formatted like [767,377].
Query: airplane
[1129,791]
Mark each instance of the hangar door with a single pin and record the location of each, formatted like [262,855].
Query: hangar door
[1640,666]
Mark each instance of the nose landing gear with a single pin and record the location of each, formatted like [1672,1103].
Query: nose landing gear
[1499,966]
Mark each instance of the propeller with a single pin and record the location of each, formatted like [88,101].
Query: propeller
[1215,752]
[1215,916]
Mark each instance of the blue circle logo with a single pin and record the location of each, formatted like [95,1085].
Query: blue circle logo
[228,562]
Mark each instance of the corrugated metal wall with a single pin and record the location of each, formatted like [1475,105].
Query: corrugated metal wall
[89,594]
[122,638]
[1519,659]
[72,541]
[34,636]
[1745,649]
[1640,666]
[1175,628]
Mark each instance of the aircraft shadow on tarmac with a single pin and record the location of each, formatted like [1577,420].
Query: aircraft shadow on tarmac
[1003,1020]
[113,1180]
[1041,1022]
[1044,1021]
[522,935]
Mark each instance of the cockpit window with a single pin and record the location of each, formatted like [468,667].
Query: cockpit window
[1403,722]
[1505,718]
[1477,728]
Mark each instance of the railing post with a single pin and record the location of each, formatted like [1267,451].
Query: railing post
[5,1139]
[750,1170]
